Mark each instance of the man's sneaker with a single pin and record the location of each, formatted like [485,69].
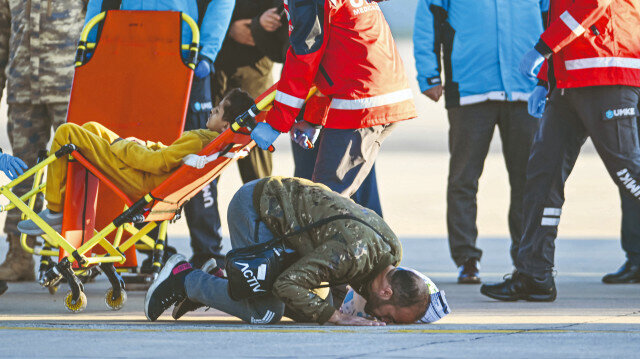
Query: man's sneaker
[31,228]
[521,286]
[168,288]
[187,305]
[469,273]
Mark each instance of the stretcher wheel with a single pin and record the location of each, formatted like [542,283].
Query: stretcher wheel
[78,306]
[115,304]
[53,289]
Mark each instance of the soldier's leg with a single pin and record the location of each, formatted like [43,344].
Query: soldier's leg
[29,130]
[517,129]
[57,113]
[245,229]
[203,218]
[345,157]
[471,129]
[553,154]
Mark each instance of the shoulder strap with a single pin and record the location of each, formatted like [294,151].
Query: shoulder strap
[328,220]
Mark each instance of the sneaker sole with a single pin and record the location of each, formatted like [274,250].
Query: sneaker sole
[164,274]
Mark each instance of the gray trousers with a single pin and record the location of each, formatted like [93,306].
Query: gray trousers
[345,157]
[470,133]
[212,291]
[607,114]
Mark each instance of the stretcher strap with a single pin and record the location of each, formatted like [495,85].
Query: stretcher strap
[200,161]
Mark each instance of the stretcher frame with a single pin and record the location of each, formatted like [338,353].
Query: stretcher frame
[236,139]
[54,241]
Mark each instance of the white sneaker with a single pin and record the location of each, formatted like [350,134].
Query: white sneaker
[31,228]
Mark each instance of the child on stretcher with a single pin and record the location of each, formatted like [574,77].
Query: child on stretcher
[135,166]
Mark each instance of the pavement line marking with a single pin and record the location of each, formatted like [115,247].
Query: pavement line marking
[330,331]
[501,274]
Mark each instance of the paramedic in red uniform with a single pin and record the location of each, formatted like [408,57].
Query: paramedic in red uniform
[345,49]
[592,48]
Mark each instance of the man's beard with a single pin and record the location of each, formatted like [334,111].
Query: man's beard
[373,303]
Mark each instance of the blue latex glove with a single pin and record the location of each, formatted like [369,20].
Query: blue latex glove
[305,134]
[11,166]
[530,63]
[203,69]
[537,101]
[264,135]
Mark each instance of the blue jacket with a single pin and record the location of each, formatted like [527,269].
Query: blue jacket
[214,25]
[482,42]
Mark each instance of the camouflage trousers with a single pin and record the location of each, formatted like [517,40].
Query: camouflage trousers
[29,129]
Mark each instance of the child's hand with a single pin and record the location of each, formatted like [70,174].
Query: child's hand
[136,140]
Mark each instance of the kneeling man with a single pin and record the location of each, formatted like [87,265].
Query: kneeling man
[335,241]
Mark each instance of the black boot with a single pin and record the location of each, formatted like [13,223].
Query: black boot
[628,273]
[522,286]
[168,288]
[469,272]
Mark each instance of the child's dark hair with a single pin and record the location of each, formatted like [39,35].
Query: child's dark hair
[235,103]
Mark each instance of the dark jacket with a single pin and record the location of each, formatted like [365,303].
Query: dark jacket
[271,44]
[344,251]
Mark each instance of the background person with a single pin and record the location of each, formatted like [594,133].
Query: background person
[255,40]
[201,212]
[592,52]
[345,49]
[37,53]
[483,89]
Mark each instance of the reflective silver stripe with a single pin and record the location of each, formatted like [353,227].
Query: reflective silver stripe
[550,221]
[552,211]
[289,100]
[251,113]
[493,96]
[520,96]
[572,24]
[369,102]
[595,62]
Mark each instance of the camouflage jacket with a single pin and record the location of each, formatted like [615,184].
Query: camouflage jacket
[342,251]
[37,48]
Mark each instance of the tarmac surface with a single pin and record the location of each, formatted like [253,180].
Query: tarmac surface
[588,320]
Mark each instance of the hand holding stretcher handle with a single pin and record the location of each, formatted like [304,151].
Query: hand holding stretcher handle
[248,118]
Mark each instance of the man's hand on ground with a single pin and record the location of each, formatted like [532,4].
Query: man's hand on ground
[240,31]
[339,318]
[434,93]
[270,20]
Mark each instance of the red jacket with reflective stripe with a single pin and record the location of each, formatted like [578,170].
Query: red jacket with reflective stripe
[593,42]
[345,49]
